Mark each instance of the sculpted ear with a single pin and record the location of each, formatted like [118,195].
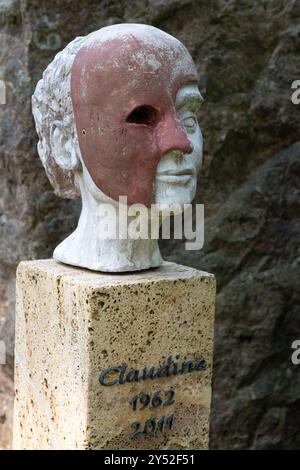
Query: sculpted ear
[64,149]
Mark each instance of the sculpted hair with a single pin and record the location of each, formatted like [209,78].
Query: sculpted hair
[51,102]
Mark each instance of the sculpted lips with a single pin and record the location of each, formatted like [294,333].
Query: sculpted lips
[176,176]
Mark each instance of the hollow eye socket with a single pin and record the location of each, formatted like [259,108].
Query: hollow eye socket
[145,114]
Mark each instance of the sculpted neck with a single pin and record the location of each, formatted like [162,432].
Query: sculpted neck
[86,248]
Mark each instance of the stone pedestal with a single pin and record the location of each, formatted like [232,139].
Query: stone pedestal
[113,361]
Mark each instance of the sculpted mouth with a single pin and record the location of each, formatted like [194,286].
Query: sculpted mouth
[178,176]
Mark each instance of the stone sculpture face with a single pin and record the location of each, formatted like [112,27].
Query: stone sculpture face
[124,88]
[115,115]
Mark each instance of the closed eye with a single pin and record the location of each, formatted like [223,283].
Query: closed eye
[189,122]
[145,114]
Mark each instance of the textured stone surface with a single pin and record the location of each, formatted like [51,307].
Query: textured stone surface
[6,404]
[247,55]
[71,324]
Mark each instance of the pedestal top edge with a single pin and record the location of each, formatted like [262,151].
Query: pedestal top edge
[168,270]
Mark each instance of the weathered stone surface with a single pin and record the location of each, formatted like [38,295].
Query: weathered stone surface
[247,55]
[72,324]
[6,404]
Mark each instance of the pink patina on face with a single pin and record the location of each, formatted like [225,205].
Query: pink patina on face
[123,86]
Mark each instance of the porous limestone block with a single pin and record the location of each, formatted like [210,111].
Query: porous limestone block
[97,352]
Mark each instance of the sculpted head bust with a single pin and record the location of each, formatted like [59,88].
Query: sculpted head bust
[115,116]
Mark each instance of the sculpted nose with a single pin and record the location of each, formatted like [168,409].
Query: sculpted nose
[171,136]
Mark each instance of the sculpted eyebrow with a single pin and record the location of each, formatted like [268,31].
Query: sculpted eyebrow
[192,100]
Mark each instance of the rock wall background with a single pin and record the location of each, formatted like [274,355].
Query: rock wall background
[247,54]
